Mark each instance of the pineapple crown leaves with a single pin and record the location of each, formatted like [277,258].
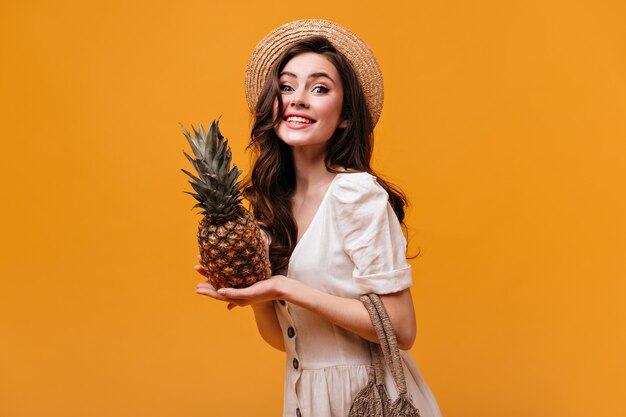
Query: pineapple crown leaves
[217,188]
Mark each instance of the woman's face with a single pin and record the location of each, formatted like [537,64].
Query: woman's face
[312,96]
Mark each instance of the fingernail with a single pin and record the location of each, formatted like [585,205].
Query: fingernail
[221,291]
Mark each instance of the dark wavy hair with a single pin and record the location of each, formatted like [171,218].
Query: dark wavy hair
[271,183]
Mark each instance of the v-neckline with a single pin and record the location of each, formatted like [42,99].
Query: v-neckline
[315,216]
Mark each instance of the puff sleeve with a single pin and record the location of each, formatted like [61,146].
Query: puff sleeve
[371,234]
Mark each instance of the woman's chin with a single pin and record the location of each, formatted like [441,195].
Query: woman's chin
[308,143]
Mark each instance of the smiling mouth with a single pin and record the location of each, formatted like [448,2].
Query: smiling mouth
[298,120]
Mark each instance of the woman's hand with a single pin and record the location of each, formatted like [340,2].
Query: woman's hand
[265,290]
[205,288]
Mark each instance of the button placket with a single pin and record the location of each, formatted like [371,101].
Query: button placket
[284,310]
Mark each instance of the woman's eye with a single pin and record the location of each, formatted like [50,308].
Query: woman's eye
[320,89]
[284,87]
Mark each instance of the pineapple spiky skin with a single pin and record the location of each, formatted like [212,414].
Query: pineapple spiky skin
[232,248]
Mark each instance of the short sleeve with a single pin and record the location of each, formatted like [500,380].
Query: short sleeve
[371,234]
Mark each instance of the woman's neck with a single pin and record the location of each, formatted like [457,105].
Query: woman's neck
[310,167]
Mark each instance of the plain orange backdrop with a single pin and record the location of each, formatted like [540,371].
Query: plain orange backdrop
[504,122]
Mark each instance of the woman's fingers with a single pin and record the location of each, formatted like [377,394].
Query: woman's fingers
[200,260]
[238,297]
[236,293]
[259,291]
[205,288]
[201,270]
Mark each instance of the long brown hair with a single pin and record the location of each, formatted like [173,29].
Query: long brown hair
[271,183]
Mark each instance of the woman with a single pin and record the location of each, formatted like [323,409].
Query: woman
[334,229]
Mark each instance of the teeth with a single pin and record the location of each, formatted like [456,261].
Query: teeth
[298,119]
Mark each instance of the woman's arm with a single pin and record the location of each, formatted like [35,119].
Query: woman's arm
[267,324]
[352,315]
[344,312]
[264,313]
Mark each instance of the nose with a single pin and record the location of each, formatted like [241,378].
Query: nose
[297,101]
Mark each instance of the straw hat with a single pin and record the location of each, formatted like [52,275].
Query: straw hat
[360,56]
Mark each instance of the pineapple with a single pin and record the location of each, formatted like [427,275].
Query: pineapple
[232,249]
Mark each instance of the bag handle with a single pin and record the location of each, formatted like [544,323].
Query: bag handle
[402,406]
[388,342]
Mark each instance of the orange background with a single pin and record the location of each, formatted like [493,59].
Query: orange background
[504,122]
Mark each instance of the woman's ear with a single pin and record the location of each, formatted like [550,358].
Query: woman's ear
[343,124]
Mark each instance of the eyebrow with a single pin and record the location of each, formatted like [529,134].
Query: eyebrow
[314,75]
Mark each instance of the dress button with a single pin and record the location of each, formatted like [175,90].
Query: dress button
[291,332]
[282,302]
[295,363]
[298,413]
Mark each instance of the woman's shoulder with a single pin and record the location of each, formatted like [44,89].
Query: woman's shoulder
[355,178]
[356,186]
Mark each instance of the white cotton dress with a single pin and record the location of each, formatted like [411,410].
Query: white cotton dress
[354,245]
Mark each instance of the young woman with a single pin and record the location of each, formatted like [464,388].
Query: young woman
[334,228]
